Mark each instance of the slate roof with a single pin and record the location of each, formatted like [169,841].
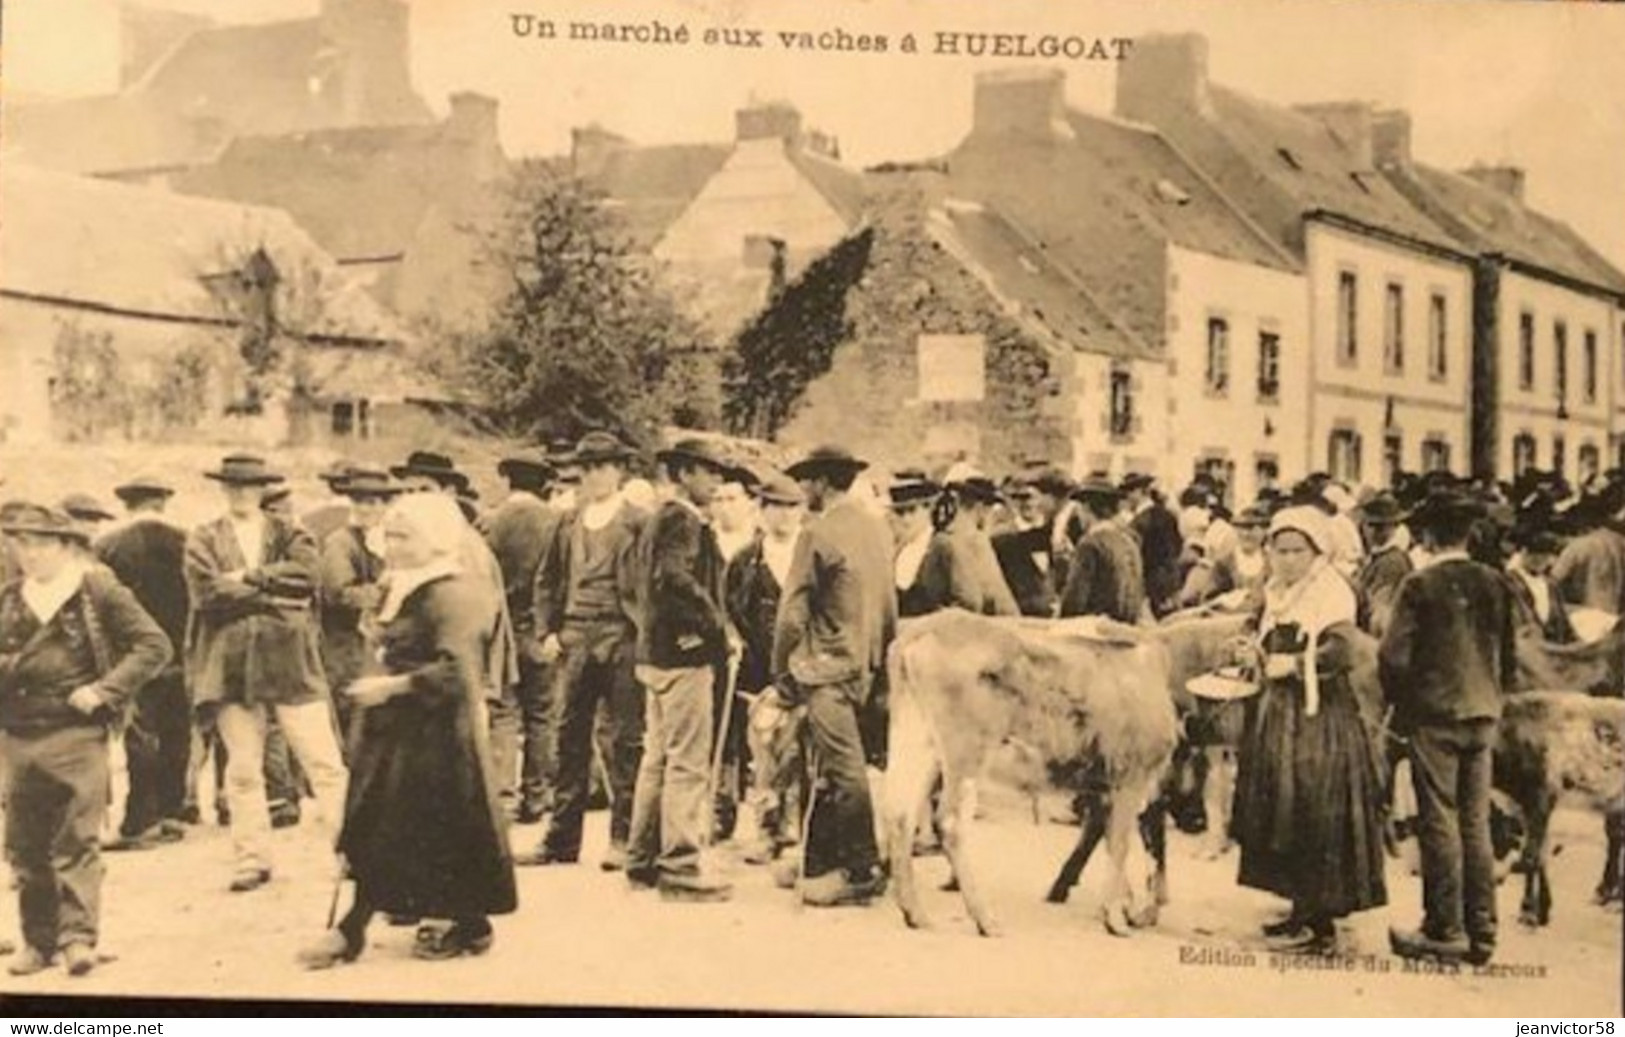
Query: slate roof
[138,250]
[1051,304]
[1300,155]
[1493,221]
[841,186]
[651,186]
[118,132]
[361,193]
[1104,205]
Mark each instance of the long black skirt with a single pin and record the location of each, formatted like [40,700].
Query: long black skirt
[423,833]
[1308,802]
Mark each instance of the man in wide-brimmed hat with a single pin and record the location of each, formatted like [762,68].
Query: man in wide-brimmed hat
[252,652]
[1035,557]
[1386,563]
[914,497]
[1591,570]
[1446,661]
[1160,543]
[1535,548]
[519,531]
[332,512]
[427,470]
[586,610]
[77,647]
[682,646]
[350,579]
[1106,577]
[754,585]
[148,555]
[838,617]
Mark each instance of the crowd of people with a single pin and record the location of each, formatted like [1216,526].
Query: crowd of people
[421,673]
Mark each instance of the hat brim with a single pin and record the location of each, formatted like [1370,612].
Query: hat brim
[30,528]
[602,457]
[813,467]
[244,480]
[723,468]
[137,492]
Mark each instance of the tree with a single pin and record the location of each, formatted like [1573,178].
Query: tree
[90,393]
[585,337]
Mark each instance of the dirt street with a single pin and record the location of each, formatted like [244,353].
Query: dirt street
[582,938]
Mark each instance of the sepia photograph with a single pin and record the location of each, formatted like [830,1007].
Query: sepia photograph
[1034,508]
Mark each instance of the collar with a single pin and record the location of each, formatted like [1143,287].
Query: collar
[45,598]
[1455,554]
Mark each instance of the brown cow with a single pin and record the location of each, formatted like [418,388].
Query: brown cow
[1595,667]
[964,685]
[1557,744]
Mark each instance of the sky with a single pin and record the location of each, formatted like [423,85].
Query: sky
[1538,85]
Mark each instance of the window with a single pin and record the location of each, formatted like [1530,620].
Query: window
[1218,356]
[352,418]
[1560,355]
[1269,365]
[1590,461]
[1523,453]
[1588,367]
[1393,329]
[1526,351]
[1122,404]
[1343,455]
[1393,456]
[1559,454]
[1266,471]
[1348,297]
[1438,338]
[952,368]
[1435,455]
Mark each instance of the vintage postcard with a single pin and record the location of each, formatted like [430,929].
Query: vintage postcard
[1036,507]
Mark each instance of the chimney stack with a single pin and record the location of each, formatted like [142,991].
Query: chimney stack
[1164,76]
[473,125]
[1391,139]
[1351,123]
[776,119]
[1028,103]
[1506,179]
[591,148]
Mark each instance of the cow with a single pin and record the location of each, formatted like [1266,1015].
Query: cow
[1553,745]
[1077,693]
[1596,667]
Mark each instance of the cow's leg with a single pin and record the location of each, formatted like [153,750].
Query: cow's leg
[911,769]
[958,800]
[1093,818]
[1536,909]
[1122,815]
[1154,834]
[1608,890]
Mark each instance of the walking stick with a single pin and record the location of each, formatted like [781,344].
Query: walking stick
[714,777]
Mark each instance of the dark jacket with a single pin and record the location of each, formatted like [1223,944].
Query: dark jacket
[1591,569]
[1449,652]
[1161,547]
[149,557]
[839,610]
[682,623]
[1106,578]
[751,595]
[1027,560]
[101,635]
[348,591]
[1377,584]
[551,590]
[252,639]
[423,832]
[959,571]
[1556,629]
[520,531]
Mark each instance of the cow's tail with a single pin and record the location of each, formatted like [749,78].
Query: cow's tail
[912,766]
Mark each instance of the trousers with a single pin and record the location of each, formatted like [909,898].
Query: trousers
[596,668]
[841,834]
[157,747]
[57,782]
[1450,768]
[668,807]
[309,730]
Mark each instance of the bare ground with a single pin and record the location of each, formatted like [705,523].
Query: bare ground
[581,938]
